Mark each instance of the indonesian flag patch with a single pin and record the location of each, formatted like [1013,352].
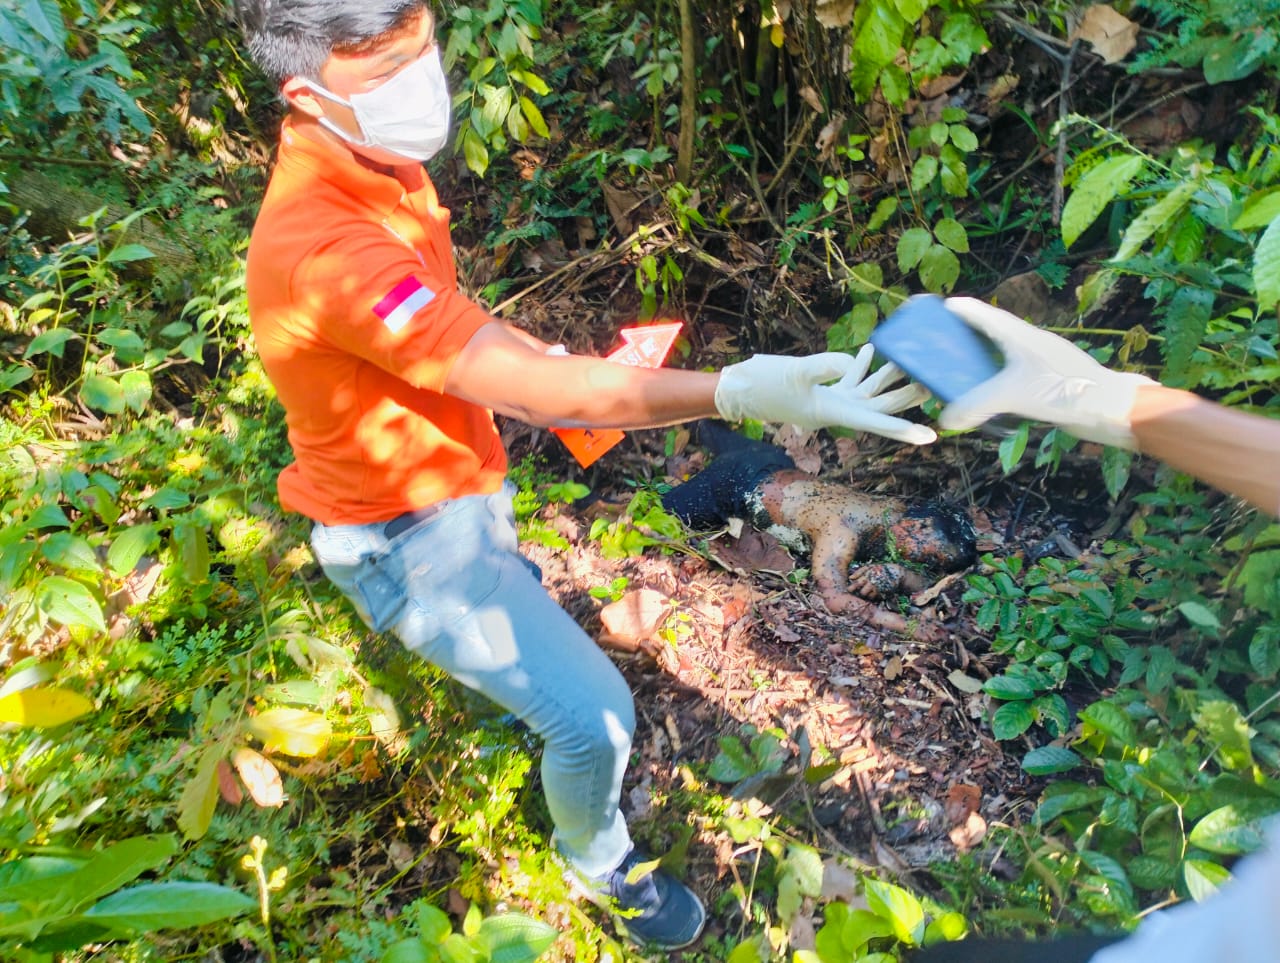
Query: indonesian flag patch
[402,302]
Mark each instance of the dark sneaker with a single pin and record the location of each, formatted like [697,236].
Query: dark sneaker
[653,907]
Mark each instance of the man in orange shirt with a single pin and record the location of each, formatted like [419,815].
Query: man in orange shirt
[390,377]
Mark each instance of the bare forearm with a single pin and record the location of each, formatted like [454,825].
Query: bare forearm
[1235,451]
[503,371]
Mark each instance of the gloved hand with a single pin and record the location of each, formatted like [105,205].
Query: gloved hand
[770,387]
[1045,377]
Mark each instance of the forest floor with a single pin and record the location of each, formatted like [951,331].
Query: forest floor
[885,753]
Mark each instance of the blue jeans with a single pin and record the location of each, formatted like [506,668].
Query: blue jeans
[456,591]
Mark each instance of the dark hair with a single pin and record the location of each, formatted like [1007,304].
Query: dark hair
[293,38]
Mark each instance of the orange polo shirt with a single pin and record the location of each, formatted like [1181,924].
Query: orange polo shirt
[355,309]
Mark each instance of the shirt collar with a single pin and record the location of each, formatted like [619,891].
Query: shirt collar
[380,187]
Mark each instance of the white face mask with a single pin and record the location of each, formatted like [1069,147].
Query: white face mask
[408,115]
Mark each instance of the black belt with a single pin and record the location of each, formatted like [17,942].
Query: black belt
[402,523]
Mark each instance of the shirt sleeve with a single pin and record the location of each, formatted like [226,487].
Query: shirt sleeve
[375,299]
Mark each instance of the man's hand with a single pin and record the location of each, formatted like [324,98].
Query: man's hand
[1046,378]
[798,391]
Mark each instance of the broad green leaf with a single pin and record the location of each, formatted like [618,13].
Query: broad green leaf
[534,116]
[911,10]
[899,907]
[15,375]
[128,547]
[475,152]
[1154,218]
[1116,464]
[1266,267]
[1049,760]
[433,923]
[895,85]
[1013,446]
[1201,616]
[103,393]
[947,928]
[1264,654]
[860,927]
[295,732]
[1259,210]
[70,552]
[939,270]
[1112,721]
[1011,720]
[38,879]
[1184,325]
[515,938]
[158,906]
[923,171]
[1203,878]
[193,551]
[129,346]
[1093,192]
[1008,687]
[880,38]
[1225,729]
[129,252]
[136,386]
[409,951]
[70,603]
[49,342]
[951,233]
[120,863]
[964,139]
[43,707]
[1228,831]
[912,246]
[200,795]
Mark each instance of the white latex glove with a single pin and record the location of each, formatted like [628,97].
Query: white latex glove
[1046,378]
[770,387]
[1240,923]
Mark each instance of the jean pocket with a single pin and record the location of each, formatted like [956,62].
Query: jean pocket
[381,593]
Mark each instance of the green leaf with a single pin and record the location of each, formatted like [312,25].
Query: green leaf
[200,795]
[880,37]
[1008,687]
[69,603]
[1228,831]
[1259,210]
[104,393]
[939,270]
[861,927]
[1202,617]
[1156,217]
[1222,725]
[923,171]
[49,342]
[1112,721]
[408,951]
[732,763]
[534,116]
[1011,720]
[515,938]
[912,246]
[1013,446]
[1264,654]
[1048,760]
[899,907]
[951,232]
[1203,877]
[193,551]
[69,552]
[129,252]
[1098,188]
[433,923]
[1116,463]
[946,928]
[136,386]
[1266,267]
[45,17]
[475,152]
[887,207]
[121,863]
[128,547]
[157,906]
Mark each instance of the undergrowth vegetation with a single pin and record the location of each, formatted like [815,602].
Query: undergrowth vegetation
[206,754]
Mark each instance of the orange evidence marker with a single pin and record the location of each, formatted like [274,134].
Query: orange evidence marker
[644,346]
